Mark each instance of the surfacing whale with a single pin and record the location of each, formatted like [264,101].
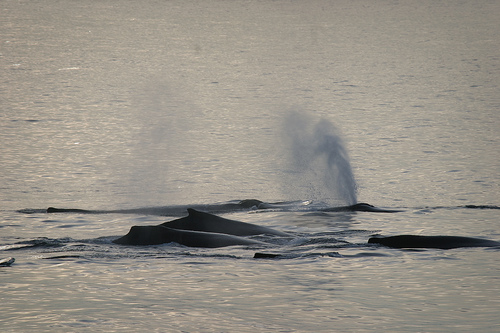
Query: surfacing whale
[432,242]
[198,229]
[360,207]
[159,234]
[201,221]
[231,206]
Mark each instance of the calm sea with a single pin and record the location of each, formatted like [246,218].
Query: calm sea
[120,104]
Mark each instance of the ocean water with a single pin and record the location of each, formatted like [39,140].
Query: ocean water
[163,105]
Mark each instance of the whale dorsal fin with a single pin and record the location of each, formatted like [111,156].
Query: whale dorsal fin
[192,211]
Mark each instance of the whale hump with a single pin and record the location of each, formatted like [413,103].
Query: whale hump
[198,229]
[194,213]
[360,207]
[201,221]
[432,242]
[156,235]
[249,203]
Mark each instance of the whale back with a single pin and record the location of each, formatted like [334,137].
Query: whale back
[155,235]
[360,207]
[436,242]
[201,221]
[145,235]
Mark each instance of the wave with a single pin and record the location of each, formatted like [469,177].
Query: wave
[41,242]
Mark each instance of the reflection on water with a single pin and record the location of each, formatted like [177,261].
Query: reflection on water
[118,105]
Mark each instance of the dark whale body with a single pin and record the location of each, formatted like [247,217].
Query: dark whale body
[172,210]
[158,234]
[200,221]
[360,207]
[70,210]
[234,206]
[432,242]
[198,229]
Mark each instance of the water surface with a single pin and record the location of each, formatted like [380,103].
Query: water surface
[121,105]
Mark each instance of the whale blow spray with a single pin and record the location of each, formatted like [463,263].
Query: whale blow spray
[319,158]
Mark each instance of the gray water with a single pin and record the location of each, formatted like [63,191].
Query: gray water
[123,104]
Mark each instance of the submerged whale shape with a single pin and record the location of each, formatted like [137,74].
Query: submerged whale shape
[360,207]
[71,210]
[198,229]
[231,206]
[432,242]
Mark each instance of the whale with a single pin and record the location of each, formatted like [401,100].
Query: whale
[198,229]
[231,206]
[432,242]
[201,221]
[158,234]
[360,207]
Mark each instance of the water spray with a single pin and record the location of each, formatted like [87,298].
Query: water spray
[320,156]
